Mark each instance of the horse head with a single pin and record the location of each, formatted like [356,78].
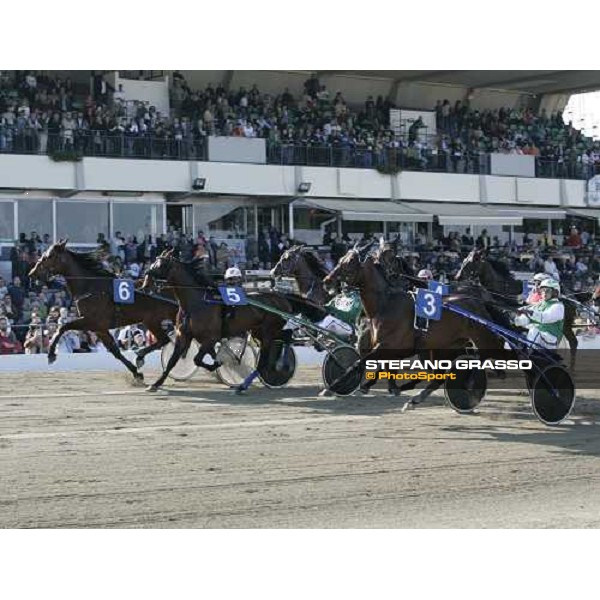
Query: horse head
[471,265]
[386,257]
[347,270]
[52,261]
[286,265]
[159,269]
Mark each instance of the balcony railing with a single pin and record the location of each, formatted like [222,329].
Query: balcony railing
[70,145]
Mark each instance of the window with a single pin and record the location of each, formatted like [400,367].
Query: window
[138,219]
[81,222]
[7,222]
[310,218]
[355,227]
[219,217]
[35,215]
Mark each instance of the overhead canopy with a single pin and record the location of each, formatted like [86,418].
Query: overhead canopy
[534,212]
[590,213]
[532,82]
[369,210]
[450,213]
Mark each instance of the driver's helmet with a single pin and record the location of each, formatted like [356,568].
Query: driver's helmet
[233,275]
[551,284]
[425,274]
[539,277]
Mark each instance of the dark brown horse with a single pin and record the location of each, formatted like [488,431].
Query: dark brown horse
[202,316]
[309,272]
[300,263]
[495,277]
[91,287]
[391,312]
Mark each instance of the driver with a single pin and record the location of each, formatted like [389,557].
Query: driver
[545,319]
[535,295]
[233,277]
[425,275]
[344,311]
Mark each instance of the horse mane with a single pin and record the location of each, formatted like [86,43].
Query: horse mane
[91,261]
[314,263]
[407,269]
[500,268]
[197,269]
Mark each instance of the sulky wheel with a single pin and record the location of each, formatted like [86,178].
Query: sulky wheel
[338,376]
[238,358]
[553,395]
[185,367]
[277,366]
[464,393]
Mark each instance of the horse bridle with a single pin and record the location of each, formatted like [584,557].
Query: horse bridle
[290,270]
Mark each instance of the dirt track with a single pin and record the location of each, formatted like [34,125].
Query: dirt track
[89,450]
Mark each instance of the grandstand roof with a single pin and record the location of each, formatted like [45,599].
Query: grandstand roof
[530,82]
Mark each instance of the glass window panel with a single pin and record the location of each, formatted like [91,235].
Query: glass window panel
[159,209]
[7,222]
[81,222]
[219,217]
[138,220]
[35,215]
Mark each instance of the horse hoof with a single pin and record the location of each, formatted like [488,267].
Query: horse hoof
[139,362]
[408,405]
[139,377]
[325,394]
[51,358]
[239,391]
[152,388]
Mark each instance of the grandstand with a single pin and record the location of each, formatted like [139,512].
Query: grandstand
[232,166]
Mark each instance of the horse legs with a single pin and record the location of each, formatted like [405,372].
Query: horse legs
[573,344]
[111,346]
[207,348]
[266,334]
[423,394]
[393,388]
[162,339]
[80,324]
[183,340]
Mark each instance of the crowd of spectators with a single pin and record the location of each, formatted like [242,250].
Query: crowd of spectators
[571,257]
[40,114]
[563,150]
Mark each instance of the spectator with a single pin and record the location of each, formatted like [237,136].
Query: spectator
[8,341]
[551,269]
[222,257]
[92,343]
[17,295]
[35,340]
[574,240]
[483,241]
[117,246]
